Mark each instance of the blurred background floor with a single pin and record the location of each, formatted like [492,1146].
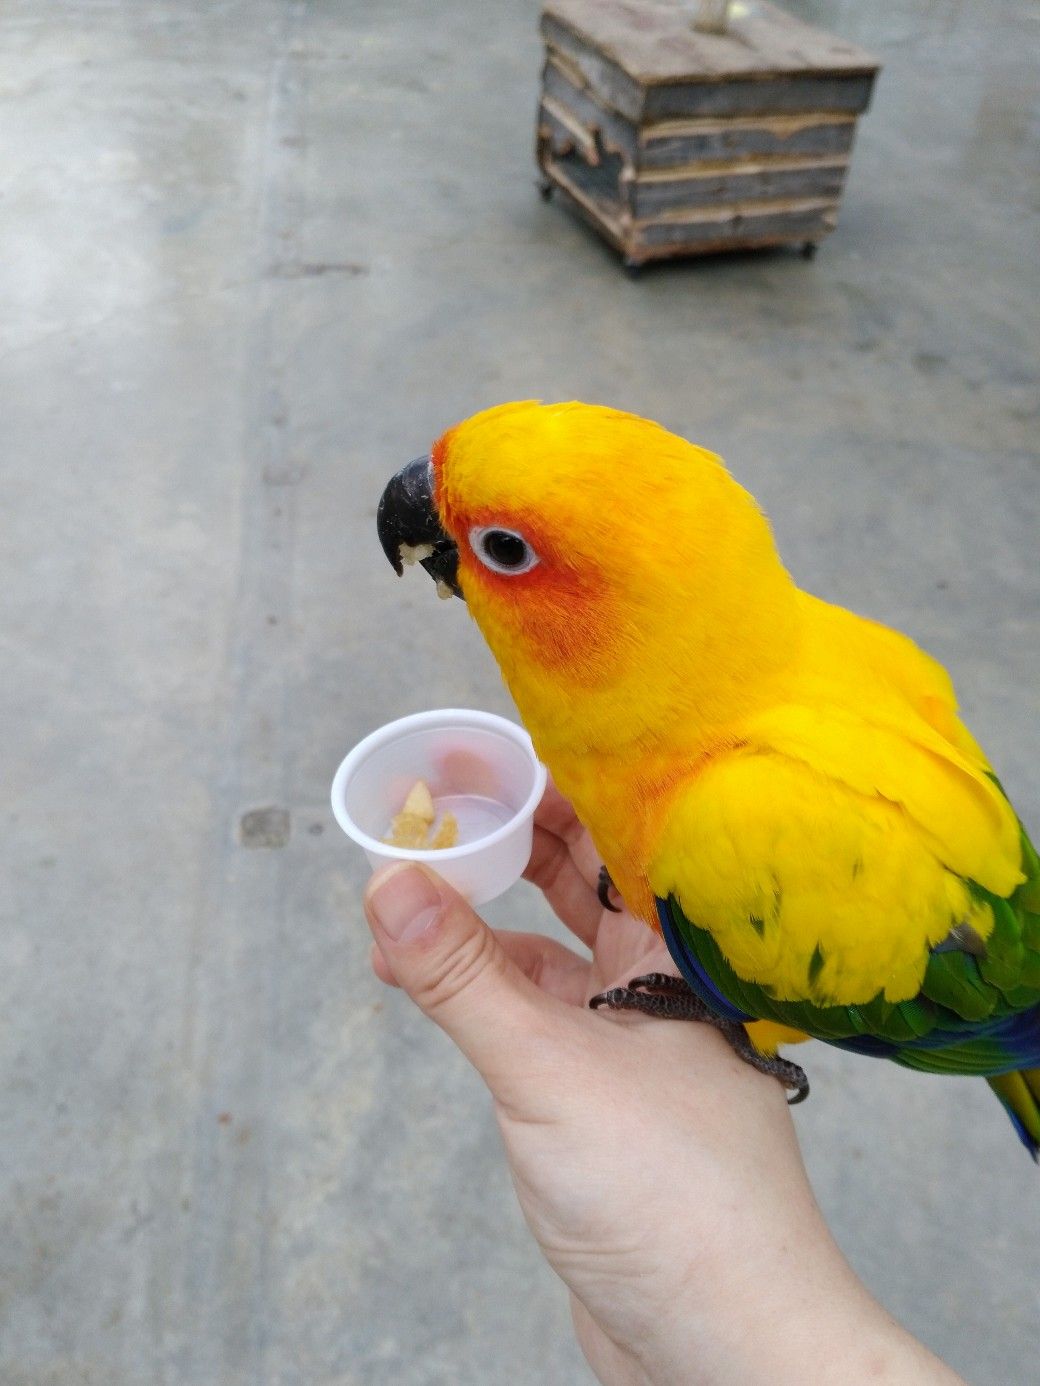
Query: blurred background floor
[256,255]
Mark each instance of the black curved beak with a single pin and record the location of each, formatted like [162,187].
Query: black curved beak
[410,530]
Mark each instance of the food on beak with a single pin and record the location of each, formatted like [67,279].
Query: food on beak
[414,553]
[410,530]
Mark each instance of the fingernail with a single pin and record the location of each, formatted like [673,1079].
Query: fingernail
[405,903]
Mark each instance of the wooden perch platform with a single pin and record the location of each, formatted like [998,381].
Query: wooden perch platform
[670,141]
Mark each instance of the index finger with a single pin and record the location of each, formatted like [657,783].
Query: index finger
[556,816]
[573,900]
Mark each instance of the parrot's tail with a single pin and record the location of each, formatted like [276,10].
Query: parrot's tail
[1019,1095]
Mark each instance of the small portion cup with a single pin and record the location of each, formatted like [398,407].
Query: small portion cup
[481,767]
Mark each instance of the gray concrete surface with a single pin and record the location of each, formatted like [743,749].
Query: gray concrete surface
[256,254]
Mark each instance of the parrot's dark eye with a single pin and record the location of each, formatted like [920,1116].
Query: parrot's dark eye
[502,550]
[505,549]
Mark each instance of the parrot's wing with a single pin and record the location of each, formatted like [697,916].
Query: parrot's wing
[954,801]
[786,895]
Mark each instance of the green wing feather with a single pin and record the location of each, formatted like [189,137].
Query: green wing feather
[974,1013]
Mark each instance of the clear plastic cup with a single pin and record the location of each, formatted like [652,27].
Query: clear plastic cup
[480,767]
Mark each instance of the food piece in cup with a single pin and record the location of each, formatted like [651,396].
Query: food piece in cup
[447,833]
[414,825]
[411,826]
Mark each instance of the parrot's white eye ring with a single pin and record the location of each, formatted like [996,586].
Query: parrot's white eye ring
[502,550]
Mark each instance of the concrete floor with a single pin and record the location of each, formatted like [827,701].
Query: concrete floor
[256,255]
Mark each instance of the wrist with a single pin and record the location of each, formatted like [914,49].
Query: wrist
[766,1314]
[765,1326]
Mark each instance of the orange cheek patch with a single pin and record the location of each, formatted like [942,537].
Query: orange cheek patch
[563,619]
[570,634]
[566,624]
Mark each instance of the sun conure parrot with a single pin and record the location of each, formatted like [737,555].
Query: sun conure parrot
[782,788]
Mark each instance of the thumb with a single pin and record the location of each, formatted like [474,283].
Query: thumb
[456,971]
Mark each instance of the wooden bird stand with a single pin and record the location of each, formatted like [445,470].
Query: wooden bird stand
[671,140]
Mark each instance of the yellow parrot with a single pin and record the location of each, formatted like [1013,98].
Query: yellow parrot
[782,788]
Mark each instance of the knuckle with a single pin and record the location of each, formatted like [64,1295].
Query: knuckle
[457,971]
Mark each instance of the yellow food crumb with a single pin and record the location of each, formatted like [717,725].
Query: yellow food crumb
[447,833]
[420,802]
[413,826]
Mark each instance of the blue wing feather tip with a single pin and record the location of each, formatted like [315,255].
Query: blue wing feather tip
[692,973]
[1023,1135]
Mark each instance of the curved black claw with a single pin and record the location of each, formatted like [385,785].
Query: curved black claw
[661,982]
[603,888]
[670,998]
[782,1070]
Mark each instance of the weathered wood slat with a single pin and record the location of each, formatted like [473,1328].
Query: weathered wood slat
[741,225]
[794,94]
[684,142]
[654,41]
[755,183]
[740,210]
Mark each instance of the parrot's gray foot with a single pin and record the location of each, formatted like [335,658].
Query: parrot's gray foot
[603,888]
[792,1076]
[669,998]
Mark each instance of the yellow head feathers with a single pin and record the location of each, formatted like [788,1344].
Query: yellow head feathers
[641,587]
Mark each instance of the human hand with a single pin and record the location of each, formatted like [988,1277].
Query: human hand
[659,1174]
